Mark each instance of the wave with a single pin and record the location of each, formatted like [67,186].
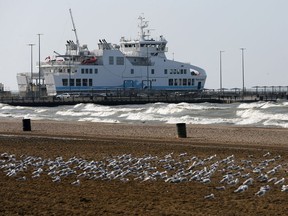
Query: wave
[262,114]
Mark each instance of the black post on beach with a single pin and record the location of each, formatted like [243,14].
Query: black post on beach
[26,124]
[181,130]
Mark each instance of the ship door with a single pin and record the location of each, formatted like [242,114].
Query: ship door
[146,84]
[128,84]
[199,85]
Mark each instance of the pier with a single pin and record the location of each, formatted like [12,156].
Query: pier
[144,97]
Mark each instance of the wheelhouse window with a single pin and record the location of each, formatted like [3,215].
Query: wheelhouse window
[152,71]
[120,60]
[165,71]
[86,70]
[90,71]
[132,71]
[96,70]
[189,82]
[82,71]
[170,82]
[193,82]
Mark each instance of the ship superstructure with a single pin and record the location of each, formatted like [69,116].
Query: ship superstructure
[132,64]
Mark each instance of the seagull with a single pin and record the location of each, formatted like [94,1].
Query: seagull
[274,179]
[23,178]
[284,188]
[248,181]
[241,189]
[262,190]
[210,196]
[56,179]
[220,188]
[206,180]
[76,183]
[281,181]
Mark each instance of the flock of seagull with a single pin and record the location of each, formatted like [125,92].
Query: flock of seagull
[268,171]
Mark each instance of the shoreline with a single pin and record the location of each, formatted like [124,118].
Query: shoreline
[245,135]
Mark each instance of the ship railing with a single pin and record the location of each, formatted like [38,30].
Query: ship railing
[58,63]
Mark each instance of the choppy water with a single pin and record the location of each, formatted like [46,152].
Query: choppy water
[260,114]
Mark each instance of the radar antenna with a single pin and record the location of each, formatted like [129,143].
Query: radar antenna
[74,29]
[142,25]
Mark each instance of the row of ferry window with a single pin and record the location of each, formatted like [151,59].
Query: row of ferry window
[77,82]
[175,71]
[172,71]
[181,82]
[89,70]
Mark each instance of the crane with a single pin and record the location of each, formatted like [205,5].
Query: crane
[74,29]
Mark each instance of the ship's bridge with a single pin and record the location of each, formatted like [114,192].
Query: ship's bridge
[144,48]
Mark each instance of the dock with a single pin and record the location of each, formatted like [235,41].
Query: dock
[211,96]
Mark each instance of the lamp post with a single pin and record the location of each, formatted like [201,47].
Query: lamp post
[221,87]
[31,78]
[243,80]
[39,65]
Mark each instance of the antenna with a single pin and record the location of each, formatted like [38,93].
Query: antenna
[74,29]
[142,25]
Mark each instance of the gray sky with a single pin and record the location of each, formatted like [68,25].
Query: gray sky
[196,31]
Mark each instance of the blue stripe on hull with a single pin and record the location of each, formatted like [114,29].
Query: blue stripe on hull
[92,88]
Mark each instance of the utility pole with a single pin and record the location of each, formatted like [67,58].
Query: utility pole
[243,79]
[39,65]
[221,87]
[31,78]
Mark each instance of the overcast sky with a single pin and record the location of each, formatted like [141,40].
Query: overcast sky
[196,31]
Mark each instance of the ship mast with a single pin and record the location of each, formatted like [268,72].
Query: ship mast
[74,29]
[142,25]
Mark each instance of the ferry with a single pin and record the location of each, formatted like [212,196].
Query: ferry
[139,64]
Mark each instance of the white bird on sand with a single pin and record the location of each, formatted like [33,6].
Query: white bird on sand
[241,189]
[23,178]
[280,181]
[210,196]
[76,183]
[274,179]
[56,179]
[220,188]
[248,181]
[284,188]
[262,190]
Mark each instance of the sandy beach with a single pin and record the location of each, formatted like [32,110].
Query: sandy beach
[246,148]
